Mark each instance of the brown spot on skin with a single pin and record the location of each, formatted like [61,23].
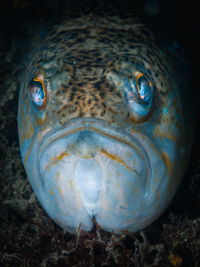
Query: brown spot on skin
[167,161]
[57,158]
[172,138]
[40,122]
[27,133]
[116,158]
[159,132]
[62,155]
[134,130]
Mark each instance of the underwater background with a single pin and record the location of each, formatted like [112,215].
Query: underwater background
[28,237]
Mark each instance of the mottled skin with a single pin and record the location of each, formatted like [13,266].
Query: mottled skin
[82,64]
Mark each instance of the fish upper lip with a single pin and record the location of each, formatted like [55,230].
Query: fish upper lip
[88,124]
[98,126]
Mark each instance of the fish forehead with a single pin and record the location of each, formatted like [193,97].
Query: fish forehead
[95,41]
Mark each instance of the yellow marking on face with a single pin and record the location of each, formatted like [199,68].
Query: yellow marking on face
[42,121]
[167,161]
[172,138]
[57,158]
[44,131]
[138,76]
[41,80]
[162,133]
[133,131]
[29,132]
[62,155]
[87,156]
[116,158]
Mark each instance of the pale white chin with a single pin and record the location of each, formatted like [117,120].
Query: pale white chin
[86,174]
[89,179]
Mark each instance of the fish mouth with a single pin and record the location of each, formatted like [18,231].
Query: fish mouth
[93,167]
[92,125]
[87,128]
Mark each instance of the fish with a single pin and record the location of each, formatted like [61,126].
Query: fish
[103,130]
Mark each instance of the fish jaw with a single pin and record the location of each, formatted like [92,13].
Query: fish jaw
[89,171]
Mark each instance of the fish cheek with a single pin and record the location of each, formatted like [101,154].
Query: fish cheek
[30,121]
[25,123]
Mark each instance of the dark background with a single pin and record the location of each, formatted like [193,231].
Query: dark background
[27,236]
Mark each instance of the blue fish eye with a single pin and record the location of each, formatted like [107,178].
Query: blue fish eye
[144,89]
[138,94]
[37,93]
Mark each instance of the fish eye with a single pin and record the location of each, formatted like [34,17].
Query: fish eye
[144,89]
[138,94]
[38,93]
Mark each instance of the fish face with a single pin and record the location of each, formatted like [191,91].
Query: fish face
[101,126]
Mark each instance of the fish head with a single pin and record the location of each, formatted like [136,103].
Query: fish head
[101,126]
